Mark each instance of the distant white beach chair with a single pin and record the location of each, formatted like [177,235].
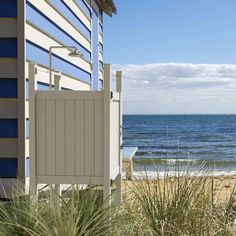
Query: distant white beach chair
[127,161]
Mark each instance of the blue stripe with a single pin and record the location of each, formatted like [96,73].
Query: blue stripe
[65,89]
[27,89]
[100,48]
[62,7]
[40,86]
[45,24]
[27,129]
[40,55]
[101,65]
[43,86]
[84,7]
[8,168]
[27,167]
[8,88]
[8,47]
[8,8]
[8,128]
[100,29]
[95,50]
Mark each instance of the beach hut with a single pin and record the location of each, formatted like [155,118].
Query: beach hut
[51,63]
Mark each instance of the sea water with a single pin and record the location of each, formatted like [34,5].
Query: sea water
[172,142]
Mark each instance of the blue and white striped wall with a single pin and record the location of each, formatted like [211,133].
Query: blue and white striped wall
[8,92]
[63,23]
[27,29]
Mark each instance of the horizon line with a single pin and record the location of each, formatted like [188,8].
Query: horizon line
[180,114]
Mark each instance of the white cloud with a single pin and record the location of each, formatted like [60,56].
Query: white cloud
[172,88]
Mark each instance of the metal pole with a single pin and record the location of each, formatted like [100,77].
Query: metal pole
[50,60]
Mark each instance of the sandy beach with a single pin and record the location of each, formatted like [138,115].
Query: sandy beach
[222,186]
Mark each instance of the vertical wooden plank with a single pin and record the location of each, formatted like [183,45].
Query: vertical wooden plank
[79,137]
[106,136]
[51,136]
[21,59]
[89,138]
[98,138]
[32,134]
[41,137]
[70,137]
[57,81]
[60,137]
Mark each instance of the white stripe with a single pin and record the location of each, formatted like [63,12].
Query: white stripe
[100,57]
[100,75]
[100,38]
[79,13]
[51,13]
[8,108]
[74,84]
[8,68]
[8,28]
[8,148]
[46,42]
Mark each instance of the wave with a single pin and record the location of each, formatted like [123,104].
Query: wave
[199,162]
[163,174]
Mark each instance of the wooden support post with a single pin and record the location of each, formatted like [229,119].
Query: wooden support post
[107,105]
[119,189]
[32,87]
[57,86]
[119,86]
[57,81]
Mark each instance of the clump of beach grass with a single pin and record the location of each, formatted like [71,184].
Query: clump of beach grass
[75,213]
[183,204]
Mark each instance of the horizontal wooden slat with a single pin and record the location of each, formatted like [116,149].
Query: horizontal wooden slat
[69,180]
[8,68]
[51,13]
[8,108]
[44,41]
[79,13]
[8,128]
[8,148]
[100,39]
[8,28]
[8,47]
[68,11]
[8,8]
[7,187]
[66,81]
[8,167]
[100,57]
[39,55]
[69,95]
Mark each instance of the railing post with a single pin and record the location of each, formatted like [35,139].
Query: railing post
[119,85]
[57,81]
[57,87]
[32,87]
[106,102]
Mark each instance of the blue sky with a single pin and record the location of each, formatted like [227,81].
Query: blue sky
[184,32]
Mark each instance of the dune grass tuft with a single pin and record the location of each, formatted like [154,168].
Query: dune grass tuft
[179,205]
[76,213]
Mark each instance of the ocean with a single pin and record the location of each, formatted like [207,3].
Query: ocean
[167,141]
